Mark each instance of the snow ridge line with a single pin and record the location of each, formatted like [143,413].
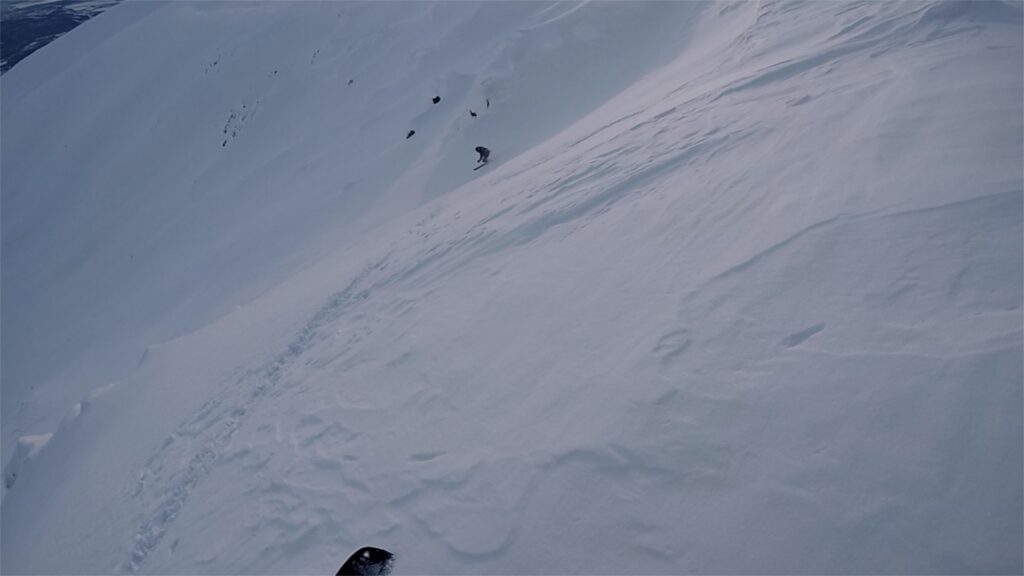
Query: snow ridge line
[996,199]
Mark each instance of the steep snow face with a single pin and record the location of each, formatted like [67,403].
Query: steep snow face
[159,192]
[739,292]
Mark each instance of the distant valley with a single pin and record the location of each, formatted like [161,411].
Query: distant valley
[28,25]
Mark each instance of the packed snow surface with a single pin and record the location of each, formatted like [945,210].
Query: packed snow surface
[739,291]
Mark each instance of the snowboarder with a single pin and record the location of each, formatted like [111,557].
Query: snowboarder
[436,99]
[367,561]
[484,154]
[473,114]
[409,134]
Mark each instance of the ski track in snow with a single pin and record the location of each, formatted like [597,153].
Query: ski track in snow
[212,428]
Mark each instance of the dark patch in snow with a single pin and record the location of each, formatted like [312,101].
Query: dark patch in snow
[801,336]
[28,26]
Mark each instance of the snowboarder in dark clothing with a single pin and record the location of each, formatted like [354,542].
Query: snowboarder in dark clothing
[484,154]
[409,134]
[367,561]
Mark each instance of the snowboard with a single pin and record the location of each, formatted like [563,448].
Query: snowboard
[367,561]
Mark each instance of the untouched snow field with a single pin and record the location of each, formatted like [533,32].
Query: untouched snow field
[740,290]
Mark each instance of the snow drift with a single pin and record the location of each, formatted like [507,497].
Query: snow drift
[740,290]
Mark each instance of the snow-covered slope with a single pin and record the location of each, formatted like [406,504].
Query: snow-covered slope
[739,292]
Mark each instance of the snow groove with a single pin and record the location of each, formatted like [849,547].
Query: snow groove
[216,423]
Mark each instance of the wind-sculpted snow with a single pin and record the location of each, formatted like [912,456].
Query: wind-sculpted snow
[739,292]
